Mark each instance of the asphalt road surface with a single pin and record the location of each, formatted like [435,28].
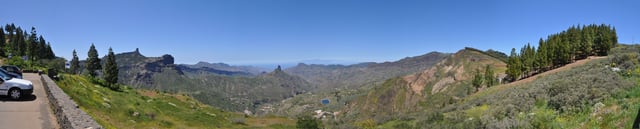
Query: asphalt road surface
[31,112]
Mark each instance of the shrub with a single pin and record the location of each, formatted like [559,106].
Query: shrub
[366,124]
[308,122]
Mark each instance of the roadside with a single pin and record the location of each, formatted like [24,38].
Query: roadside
[32,112]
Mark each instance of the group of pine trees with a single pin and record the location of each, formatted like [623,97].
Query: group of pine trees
[93,64]
[559,49]
[488,79]
[16,42]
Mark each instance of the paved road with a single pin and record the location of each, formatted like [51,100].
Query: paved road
[33,112]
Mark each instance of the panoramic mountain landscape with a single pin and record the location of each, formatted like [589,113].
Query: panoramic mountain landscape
[358,64]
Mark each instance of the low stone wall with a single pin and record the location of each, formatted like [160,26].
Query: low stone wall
[67,112]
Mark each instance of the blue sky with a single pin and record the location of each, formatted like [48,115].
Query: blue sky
[245,32]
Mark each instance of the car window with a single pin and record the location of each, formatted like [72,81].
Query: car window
[4,74]
[11,69]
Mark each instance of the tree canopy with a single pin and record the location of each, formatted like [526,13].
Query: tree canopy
[15,41]
[75,63]
[111,70]
[575,43]
[93,62]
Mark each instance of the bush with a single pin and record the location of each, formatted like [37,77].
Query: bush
[366,124]
[308,122]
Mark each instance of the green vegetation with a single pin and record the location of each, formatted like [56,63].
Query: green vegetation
[559,49]
[403,102]
[17,42]
[477,79]
[590,95]
[74,64]
[308,122]
[28,51]
[489,77]
[493,53]
[93,62]
[111,71]
[153,109]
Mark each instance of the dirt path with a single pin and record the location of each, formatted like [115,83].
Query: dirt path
[563,68]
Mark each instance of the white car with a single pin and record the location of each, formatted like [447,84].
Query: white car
[14,87]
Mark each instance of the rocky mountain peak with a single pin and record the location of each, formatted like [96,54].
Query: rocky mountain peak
[167,59]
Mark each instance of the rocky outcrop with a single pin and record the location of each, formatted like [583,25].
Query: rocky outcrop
[137,70]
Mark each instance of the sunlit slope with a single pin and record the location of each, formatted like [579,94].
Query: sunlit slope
[132,108]
[446,82]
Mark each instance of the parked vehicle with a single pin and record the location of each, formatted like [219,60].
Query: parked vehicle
[12,69]
[14,87]
[12,75]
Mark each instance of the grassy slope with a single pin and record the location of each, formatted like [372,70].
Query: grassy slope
[151,109]
[395,100]
[585,96]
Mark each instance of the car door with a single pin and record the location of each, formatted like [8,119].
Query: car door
[4,89]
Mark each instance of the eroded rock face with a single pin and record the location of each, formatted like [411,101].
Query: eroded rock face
[137,70]
[450,71]
[418,81]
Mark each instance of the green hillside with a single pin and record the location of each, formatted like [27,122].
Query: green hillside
[584,96]
[401,98]
[132,108]
[581,95]
[398,97]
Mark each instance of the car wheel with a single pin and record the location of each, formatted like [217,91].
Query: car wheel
[15,94]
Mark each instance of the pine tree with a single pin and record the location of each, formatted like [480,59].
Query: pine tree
[75,63]
[587,42]
[477,80]
[514,66]
[489,78]
[8,47]
[32,45]
[18,43]
[93,62]
[111,71]
[42,48]
[541,56]
[22,44]
[614,37]
[2,42]
[49,52]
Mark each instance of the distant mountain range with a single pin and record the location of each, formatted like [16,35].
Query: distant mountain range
[247,87]
[330,77]
[226,67]
[234,88]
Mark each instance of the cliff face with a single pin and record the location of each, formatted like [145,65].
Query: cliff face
[230,90]
[137,70]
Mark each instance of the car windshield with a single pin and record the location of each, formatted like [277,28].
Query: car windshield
[5,75]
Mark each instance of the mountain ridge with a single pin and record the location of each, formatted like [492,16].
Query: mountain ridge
[230,90]
[334,76]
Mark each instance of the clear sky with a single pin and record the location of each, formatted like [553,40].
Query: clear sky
[246,32]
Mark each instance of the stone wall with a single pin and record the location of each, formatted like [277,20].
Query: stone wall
[67,112]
